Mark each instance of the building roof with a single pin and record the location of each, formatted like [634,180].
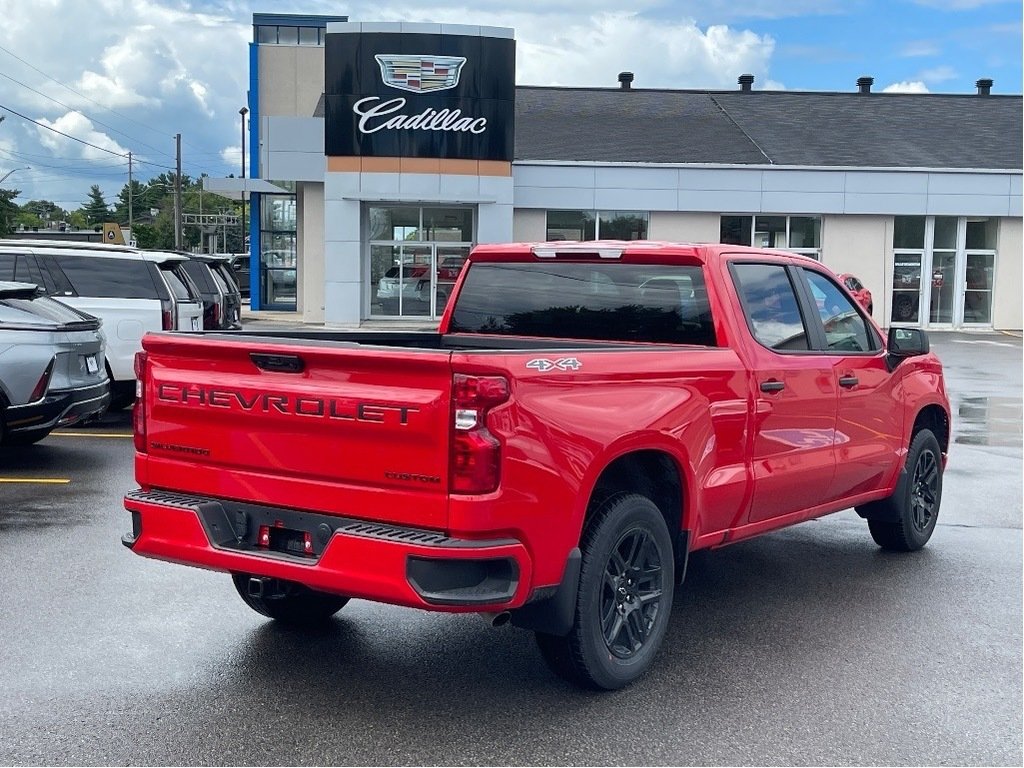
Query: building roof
[873,130]
[794,128]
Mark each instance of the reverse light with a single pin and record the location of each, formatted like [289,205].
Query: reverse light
[475,452]
[139,409]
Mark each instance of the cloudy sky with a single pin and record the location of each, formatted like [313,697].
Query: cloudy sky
[126,75]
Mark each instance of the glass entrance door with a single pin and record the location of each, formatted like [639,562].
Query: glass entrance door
[414,280]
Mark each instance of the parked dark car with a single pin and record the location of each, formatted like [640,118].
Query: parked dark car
[240,268]
[51,365]
[222,301]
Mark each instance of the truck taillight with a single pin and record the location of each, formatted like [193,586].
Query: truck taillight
[139,409]
[475,452]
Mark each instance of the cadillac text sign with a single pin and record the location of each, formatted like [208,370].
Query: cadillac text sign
[419,95]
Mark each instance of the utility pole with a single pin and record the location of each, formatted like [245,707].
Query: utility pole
[131,229]
[177,194]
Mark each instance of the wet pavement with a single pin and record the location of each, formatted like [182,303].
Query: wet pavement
[806,646]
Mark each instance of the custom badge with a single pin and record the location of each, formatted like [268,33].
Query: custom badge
[420,74]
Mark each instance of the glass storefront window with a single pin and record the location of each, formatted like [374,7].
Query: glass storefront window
[908,232]
[804,232]
[801,234]
[398,223]
[448,224]
[906,288]
[278,256]
[266,34]
[597,225]
[770,232]
[943,282]
[981,234]
[622,225]
[978,293]
[945,233]
[288,35]
[416,255]
[308,36]
[571,225]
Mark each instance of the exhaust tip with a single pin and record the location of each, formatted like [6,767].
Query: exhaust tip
[499,619]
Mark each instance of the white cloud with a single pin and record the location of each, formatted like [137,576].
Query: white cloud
[231,155]
[957,5]
[906,86]
[77,125]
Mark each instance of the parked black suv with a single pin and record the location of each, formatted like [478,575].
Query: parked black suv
[222,301]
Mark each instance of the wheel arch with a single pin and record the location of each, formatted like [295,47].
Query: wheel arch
[935,418]
[656,474]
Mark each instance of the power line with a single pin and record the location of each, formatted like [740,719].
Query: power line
[66,135]
[79,93]
[93,119]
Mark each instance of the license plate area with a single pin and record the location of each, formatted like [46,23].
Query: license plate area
[195,323]
[92,364]
[288,541]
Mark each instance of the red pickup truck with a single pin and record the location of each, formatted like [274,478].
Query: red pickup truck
[587,415]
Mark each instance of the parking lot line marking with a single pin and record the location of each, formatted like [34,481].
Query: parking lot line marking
[42,480]
[93,434]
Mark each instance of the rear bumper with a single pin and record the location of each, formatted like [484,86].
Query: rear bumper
[59,408]
[390,564]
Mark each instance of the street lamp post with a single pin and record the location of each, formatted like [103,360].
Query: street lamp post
[243,112]
[29,168]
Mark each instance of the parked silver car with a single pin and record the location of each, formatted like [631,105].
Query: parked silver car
[51,365]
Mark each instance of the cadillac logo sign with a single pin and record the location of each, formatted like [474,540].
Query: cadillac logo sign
[412,94]
[420,74]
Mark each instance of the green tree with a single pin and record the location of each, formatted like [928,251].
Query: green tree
[96,209]
[9,210]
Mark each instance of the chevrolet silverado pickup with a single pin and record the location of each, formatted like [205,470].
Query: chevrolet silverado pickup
[585,417]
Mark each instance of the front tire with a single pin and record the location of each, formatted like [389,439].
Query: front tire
[290,603]
[624,598]
[908,519]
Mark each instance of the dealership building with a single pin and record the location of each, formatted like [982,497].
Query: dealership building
[382,152]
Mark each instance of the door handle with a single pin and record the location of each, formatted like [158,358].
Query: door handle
[848,381]
[278,363]
[772,385]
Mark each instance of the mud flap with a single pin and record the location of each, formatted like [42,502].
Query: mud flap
[554,615]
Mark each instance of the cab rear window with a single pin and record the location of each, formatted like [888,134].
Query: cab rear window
[608,302]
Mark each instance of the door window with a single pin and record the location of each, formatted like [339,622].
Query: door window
[770,306]
[845,329]
[103,277]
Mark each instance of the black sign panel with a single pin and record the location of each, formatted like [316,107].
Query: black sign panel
[419,95]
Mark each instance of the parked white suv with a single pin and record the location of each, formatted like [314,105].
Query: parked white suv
[132,291]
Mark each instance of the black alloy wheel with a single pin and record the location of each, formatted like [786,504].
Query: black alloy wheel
[924,491]
[631,597]
[906,520]
[624,599]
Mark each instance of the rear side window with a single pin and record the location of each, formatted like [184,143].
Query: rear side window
[845,329]
[105,277]
[770,305]
[175,276]
[200,275]
[7,261]
[224,272]
[27,271]
[599,301]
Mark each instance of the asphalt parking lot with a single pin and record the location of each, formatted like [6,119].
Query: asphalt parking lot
[806,646]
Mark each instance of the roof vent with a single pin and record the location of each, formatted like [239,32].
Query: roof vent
[864,84]
[984,87]
[625,80]
[746,82]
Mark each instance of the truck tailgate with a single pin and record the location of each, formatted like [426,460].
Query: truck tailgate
[344,429]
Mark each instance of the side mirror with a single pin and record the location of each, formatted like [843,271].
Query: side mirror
[907,342]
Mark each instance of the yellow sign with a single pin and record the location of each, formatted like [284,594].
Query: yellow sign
[112,234]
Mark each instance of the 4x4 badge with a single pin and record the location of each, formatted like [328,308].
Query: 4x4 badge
[563,364]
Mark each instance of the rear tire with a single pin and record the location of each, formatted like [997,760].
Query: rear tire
[624,598]
[295,604]
[905,522]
